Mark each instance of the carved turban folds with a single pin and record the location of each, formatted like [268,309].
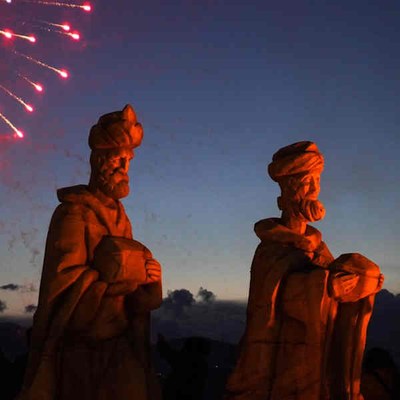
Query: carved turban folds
[116,129]
[297,158]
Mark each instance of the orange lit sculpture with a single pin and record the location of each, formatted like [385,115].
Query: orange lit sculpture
[307,313]
[90,336]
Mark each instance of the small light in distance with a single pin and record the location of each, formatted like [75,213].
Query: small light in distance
[63,74]
[29,107]
[32,39]
[38,87]
[8,1]
[87,7]
[19,134]
[75,36]
[66,27]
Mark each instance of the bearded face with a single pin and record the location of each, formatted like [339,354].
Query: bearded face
[300,197]
[110,171]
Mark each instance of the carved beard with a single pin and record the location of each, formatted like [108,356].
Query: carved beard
[114,185]
[309,210]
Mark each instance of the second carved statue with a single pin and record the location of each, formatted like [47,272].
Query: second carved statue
[307,313]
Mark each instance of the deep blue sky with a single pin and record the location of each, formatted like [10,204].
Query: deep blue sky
[219,87]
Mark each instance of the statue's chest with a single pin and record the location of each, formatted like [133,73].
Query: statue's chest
[95,230]
[304,297]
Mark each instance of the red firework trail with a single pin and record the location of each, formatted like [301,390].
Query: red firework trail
[12,126]
[27,106]
[86,7]
[36,85]
[62,28]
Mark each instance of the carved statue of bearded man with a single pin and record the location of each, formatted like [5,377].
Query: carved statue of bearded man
[90,336]
[307,313]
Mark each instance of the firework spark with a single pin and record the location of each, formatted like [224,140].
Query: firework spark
[74,35]
[9,35]
[12,126]
[65,27]
[27,106]
[62,28]
[62,72]
[36,85]
[86,7]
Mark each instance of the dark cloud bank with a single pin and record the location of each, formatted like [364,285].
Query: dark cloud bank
[184,314]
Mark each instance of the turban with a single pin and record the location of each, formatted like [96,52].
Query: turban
[297,158]
[116,129]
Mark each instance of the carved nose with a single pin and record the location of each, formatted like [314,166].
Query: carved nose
[313,186]
[124,165]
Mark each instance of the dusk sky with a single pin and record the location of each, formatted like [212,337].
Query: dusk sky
[219,87]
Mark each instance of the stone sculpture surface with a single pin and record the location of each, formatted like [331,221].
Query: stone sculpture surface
[307,313]
[90,336]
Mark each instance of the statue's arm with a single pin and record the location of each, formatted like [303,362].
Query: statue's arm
[67,258]
[66,255]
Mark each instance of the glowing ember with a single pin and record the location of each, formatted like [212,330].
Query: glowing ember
[75,36]
[63,73]
[7,34]
[38,87]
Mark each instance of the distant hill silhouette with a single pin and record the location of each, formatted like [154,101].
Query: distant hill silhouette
[223,323]
[384,327]
[12,339]
[220,360]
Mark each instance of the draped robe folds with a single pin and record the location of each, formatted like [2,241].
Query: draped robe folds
[299,343]
[86,344]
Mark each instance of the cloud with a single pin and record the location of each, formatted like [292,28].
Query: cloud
[10,286]
[30,308]
[22,288]
[177,301]
[3,306]
[180,317]
[206,295]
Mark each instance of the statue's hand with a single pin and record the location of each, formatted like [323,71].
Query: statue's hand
[341,284]
[153,271]
[122,288]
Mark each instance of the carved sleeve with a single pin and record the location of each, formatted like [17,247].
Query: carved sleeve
[66,260]
[145,298]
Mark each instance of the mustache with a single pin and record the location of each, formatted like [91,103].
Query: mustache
[123,177]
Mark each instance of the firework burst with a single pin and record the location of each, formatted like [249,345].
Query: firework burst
[19,41]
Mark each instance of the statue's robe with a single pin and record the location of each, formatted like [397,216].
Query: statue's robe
[85,343]
[299,343]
